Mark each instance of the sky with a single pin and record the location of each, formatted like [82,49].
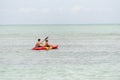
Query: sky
[59,11]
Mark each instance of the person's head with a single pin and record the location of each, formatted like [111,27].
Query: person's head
[38,39]
[46,40]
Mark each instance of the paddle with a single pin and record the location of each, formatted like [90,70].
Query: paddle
[45,39]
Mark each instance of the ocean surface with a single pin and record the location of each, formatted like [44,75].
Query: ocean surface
[86,52]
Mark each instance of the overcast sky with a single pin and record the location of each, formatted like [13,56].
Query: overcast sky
[59,11]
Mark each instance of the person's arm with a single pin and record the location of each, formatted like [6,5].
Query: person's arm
[41,44]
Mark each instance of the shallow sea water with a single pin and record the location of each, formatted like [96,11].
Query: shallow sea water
[86,52]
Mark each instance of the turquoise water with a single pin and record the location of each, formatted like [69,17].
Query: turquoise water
[86,52]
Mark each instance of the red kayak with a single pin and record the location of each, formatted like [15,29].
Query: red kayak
[45,48]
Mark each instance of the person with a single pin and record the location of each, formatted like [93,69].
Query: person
[47,44]
[39,43]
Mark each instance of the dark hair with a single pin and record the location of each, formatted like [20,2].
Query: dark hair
[46,40]
[38,39]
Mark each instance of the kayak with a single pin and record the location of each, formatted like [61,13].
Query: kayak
[45,48]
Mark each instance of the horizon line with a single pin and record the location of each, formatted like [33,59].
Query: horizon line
[57,24]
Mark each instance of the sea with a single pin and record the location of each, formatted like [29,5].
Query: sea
[85,52]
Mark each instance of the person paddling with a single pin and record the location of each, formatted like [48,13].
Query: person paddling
[39,43]
[47,44]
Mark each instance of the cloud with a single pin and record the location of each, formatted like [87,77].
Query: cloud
[45,10]
[33,10]
[27,10]
[3,10]
[76,9]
